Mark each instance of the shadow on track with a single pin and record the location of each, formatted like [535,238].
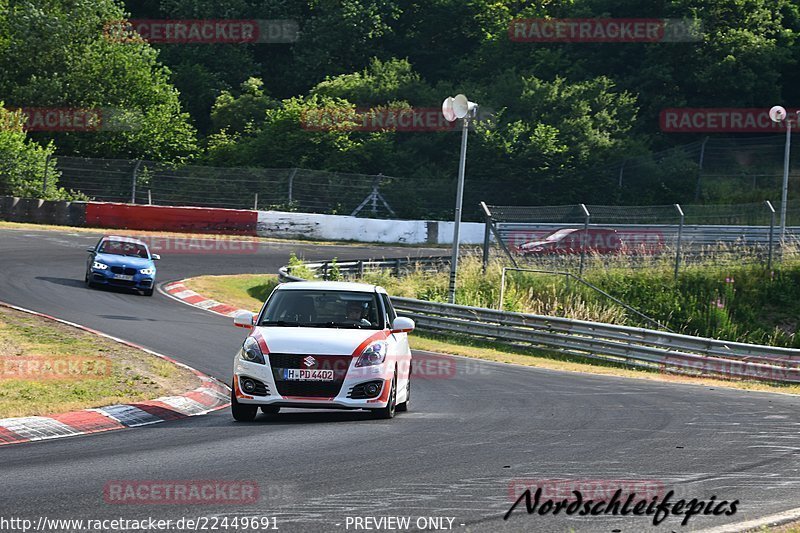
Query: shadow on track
[67,282]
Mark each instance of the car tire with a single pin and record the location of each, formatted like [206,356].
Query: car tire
[388,412]
[147,292]
[270,409]
[88,283]
[242,412]
[403,407]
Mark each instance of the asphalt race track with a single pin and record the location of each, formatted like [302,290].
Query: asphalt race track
[467,438]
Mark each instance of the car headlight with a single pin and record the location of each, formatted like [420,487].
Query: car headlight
[374,354]
[251,351]
[148,271]
[99,266]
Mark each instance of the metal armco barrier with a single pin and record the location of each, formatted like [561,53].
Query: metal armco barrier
[638,347]
[620,344]
[398,267]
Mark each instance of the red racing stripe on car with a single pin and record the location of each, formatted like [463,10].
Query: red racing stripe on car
[378,336]
[262,343]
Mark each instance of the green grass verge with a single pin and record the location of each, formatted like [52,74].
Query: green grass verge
[49,368]
[244,291]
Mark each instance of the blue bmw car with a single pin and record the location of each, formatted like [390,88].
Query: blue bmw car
[121,262]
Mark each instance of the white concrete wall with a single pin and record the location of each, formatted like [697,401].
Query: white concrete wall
[345,228]
[469,232]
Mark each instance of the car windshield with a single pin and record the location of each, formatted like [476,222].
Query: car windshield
[559,234]
[323,309]
[131,249]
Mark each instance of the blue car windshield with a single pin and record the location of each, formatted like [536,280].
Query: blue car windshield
[130,249]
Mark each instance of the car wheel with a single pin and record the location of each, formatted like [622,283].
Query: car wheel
[403,407]
[388,412]
[88,283]
[147,292]
[242,412]
[270,409]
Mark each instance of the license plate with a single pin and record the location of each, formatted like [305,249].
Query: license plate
[123,277]
[301,374]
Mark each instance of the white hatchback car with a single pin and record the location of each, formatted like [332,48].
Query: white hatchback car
[331,345]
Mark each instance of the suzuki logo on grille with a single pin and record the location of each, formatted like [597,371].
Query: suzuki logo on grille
[309,361]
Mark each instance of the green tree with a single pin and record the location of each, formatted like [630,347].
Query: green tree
[24,163]
[58,54]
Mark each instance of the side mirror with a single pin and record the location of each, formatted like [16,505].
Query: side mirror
[155,257]
[90,250]
[244,319]
[402,324]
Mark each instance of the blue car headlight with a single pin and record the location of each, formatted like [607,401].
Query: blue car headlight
[99,266]
[148,271]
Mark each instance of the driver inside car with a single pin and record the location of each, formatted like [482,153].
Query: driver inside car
[355,313]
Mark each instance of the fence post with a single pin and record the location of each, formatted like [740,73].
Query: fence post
[134,179]
[149,197]
[255,203]
[585,236]
[680,238]
[325,271]
[44,178]
[697,188]
[291,183]
[487,220]
[771,233]
[397,265]
[502,289]
[361,268]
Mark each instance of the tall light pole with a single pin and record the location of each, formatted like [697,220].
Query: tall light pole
[452,109]
[779,114]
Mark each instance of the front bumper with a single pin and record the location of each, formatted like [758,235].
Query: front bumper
[106,277]
[347,392]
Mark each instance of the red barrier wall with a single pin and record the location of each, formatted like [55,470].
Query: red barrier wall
[166,218]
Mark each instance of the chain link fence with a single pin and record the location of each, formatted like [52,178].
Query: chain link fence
[576,237]
[712,170]
[287,189]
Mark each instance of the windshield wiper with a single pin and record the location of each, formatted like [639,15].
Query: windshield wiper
[282,323]
[336,325]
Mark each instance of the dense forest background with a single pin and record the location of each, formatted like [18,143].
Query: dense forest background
[563,116]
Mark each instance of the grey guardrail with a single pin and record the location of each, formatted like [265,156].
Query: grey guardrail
[359,267]
[632,346]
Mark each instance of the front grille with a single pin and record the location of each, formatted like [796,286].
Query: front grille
[126,271]
[314,389]
[310,389]
[122,282]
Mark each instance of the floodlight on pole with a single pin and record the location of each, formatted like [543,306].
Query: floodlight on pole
[454,108]
[779,114]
